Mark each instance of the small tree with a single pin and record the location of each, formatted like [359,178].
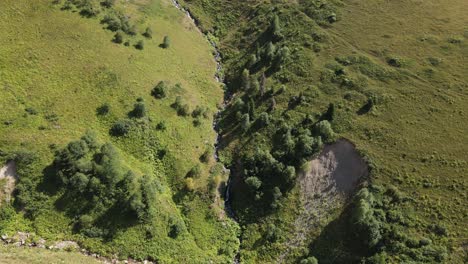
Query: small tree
[140,45]
[245,122]
[139,110]
[108,3]
[148,33]
[103,109]
[184,110]
[121,127]
[254,183]
[263,120]
[275,26]
[245,80]
[166,42]
[160,90]
[206,156]
[195,172]
[118,38]
[324,129]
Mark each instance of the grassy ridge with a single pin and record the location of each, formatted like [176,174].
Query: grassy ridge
[57,68]
[12,255]
[395,74]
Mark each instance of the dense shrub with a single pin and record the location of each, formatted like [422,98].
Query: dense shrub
[195,172]
[324,129]
[148,33]
[166,42]
[139,110]
[161,126]
[121,127]
[263,120]
[140,45]
[160,90]
[104,109]
[118,38]
[108,3]
[206,156]
[88,171]
[254,183]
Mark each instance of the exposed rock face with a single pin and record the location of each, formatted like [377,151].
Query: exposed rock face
[330,179]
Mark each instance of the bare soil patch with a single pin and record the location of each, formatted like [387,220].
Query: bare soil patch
[7,181]
[325,185]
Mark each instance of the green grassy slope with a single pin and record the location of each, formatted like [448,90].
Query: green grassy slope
[64,66]
[408,58]
[11,255]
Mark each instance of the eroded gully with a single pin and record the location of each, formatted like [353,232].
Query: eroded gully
[219,78]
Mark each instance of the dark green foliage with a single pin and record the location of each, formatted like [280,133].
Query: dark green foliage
[140,45]
[245,122]
[324,129]
[118,38]
[103,109]
[161,126]
[160,90]
[245,80]
[88,8]
[113,23]
[206,156]
[181,108]
[263,120]
[254,183]
[108,3]
[276,28]
[395,62]
[184,110]
[276,197]
[121,127]
[31,111]
[166,42]
[148,33]
[198,111]
[139,110]
[195,172]
[330,113]
[94,180]
[309,260]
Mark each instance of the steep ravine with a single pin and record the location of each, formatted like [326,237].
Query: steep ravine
[219,78]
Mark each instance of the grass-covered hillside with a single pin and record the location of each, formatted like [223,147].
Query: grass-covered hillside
[107,110]
[391,76]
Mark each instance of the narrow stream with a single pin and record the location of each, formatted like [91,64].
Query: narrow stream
[219,78]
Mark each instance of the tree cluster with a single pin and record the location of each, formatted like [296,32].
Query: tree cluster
[95,183]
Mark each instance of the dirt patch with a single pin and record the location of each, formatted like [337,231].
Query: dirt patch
[337,170]
[7,181]
[330,179]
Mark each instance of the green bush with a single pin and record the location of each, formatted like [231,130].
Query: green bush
[140,45]
[253,182]
[206,156]
[103,109]
[324,129]
[148,33]
[166,42]
[263,120]
[139,110]
[195,172]
[108,3]
[118,38]
[31,111]
[184,110]
[161,126]
[160,90]
[121,127]
[309,260]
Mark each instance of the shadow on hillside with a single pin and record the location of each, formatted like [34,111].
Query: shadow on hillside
[336,244]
